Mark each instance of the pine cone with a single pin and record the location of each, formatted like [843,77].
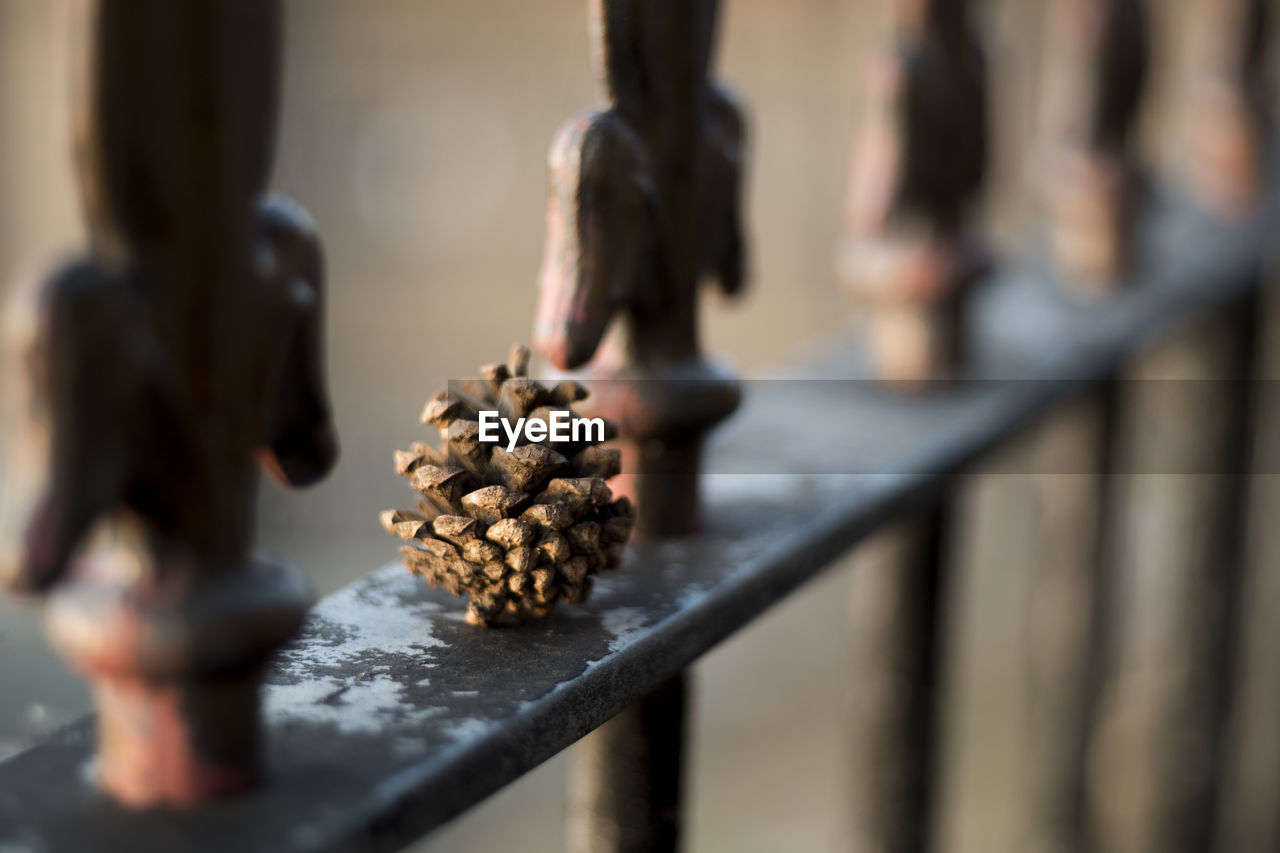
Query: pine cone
[515,531]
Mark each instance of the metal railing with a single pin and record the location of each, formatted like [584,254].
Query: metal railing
[387,715]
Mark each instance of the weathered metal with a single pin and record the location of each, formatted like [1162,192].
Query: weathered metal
[1097,79]
[910,252]
[1230,108]
[645,204]
[912,256]
[185,350]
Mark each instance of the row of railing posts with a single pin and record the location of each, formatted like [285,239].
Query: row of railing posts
[1141,574]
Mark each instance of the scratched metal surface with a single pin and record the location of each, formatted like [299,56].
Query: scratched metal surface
[390,714]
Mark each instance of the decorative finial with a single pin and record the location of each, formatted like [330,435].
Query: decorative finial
[1229,112]
[1097,87]
[185,350]
[645,203]
[515,521]
[910,254]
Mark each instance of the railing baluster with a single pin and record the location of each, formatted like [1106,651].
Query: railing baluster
[912,256]
[1098,77]
[182,351]
[1070,470]
[1248,821]
[627,786]
[1174,562]
[1175,540]
[644,205]
[898,608]
[1229,111]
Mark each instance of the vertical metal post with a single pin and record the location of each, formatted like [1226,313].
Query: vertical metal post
[1176,549]
[181,352]
[1096,80]
[1175,556]
[644,205]
[1097,77]
[1248,820]
[898,627]
[1070,470]
[911,254]
[626,790]
[1229,109]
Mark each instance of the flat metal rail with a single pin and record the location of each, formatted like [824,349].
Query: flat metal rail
[389,715]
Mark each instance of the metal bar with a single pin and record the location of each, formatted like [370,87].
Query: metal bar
[911,251]
[184,348]
[899,605]
[628,779]
[1071,464]
[1228,101]
[1176,554]
[1248,821]
[915,256]
[665,159]
[1100,56]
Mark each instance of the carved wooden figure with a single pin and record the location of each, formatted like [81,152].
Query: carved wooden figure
[910,254]
[644,204]
[181,354]
[1097,89]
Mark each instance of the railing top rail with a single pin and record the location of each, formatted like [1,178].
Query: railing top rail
[390,715]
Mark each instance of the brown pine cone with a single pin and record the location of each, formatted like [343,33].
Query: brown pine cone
[516,531]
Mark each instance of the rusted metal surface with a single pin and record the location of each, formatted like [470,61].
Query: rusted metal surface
[1229,106]
[910,253]
[182,352]
[389,715]
[645,203]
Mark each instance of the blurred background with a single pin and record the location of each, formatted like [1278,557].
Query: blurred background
[416,132]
